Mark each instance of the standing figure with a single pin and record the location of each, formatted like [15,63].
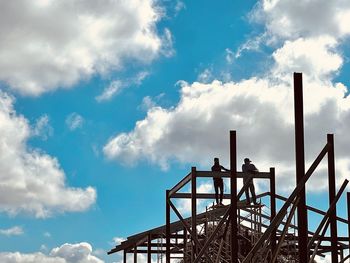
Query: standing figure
[218,181]
[249,169]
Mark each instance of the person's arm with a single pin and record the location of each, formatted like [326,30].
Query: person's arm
[223,168]
[253,169]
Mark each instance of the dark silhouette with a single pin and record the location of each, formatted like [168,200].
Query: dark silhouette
[218,182]
[250,169]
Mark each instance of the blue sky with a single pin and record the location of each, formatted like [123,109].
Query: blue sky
[104,106]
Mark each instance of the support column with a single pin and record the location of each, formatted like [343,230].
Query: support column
[167,230]
[348,202]
[194,209]
[233,184]
[273,206]
[300,166]
[331,191]
[149,247]
[135,254]
[124,258]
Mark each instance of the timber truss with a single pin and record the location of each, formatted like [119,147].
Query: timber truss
[240,232]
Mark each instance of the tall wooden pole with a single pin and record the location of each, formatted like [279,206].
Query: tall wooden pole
[273,207]
[194,209]
[331,192]
[167,230]
[233,216]
[300,166]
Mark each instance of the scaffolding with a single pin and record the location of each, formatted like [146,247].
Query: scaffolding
[245,233]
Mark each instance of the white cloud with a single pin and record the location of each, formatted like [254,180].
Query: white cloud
[113,89]
[316,57]
[206,76]
[261,108]
[13,231]
[42,127]
[116,86]
[118,240]
[59,43]
[67,253]
[31,180]
[179,6]
[74,121]
[150,102]
[293,19]
[47,234]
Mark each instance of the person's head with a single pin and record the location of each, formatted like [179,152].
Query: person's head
[216,160]
[247,161]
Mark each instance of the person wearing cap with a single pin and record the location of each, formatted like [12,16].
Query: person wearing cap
[249,169]
[218,181]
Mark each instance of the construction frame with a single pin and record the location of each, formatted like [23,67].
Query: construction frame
[240,232]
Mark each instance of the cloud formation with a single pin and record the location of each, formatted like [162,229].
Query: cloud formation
[55,44]
[13,231]
[32,181]
[259,108]
[74,121]
[42,127]
[67,253]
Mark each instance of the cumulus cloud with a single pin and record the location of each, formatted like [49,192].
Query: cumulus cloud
[31,180]
[67,253]
[293,19]
[74,121]
[13,231]
[55,44]
[259,108]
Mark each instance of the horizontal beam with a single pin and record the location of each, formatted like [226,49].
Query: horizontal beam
[261,175]
[155,251]
[180,184]
[313,209]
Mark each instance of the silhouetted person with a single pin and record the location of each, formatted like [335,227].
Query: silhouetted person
[250,169]
[218,182]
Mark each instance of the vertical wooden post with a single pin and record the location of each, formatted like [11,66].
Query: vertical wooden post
[149,247]
[185,245]
[300,167]
[124,258]
[273,206]
[167,230]
[233,181]
[348,202]
[194,209]
[135,254]
[331,191]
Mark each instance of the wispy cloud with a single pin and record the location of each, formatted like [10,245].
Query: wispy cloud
[42,127]
[74,121]
[113,89]
[13,231]
[116,86]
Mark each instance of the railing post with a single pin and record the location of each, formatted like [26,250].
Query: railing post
[273,206]
[149,247]
[194,209]
[167,230]
[233,184]
[331,191]
[135,254]
[348,202]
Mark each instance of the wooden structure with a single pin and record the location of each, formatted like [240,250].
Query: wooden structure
[240,232]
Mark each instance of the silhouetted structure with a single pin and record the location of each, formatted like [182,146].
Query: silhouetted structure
[218,181]
[250,233]
[249,169]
